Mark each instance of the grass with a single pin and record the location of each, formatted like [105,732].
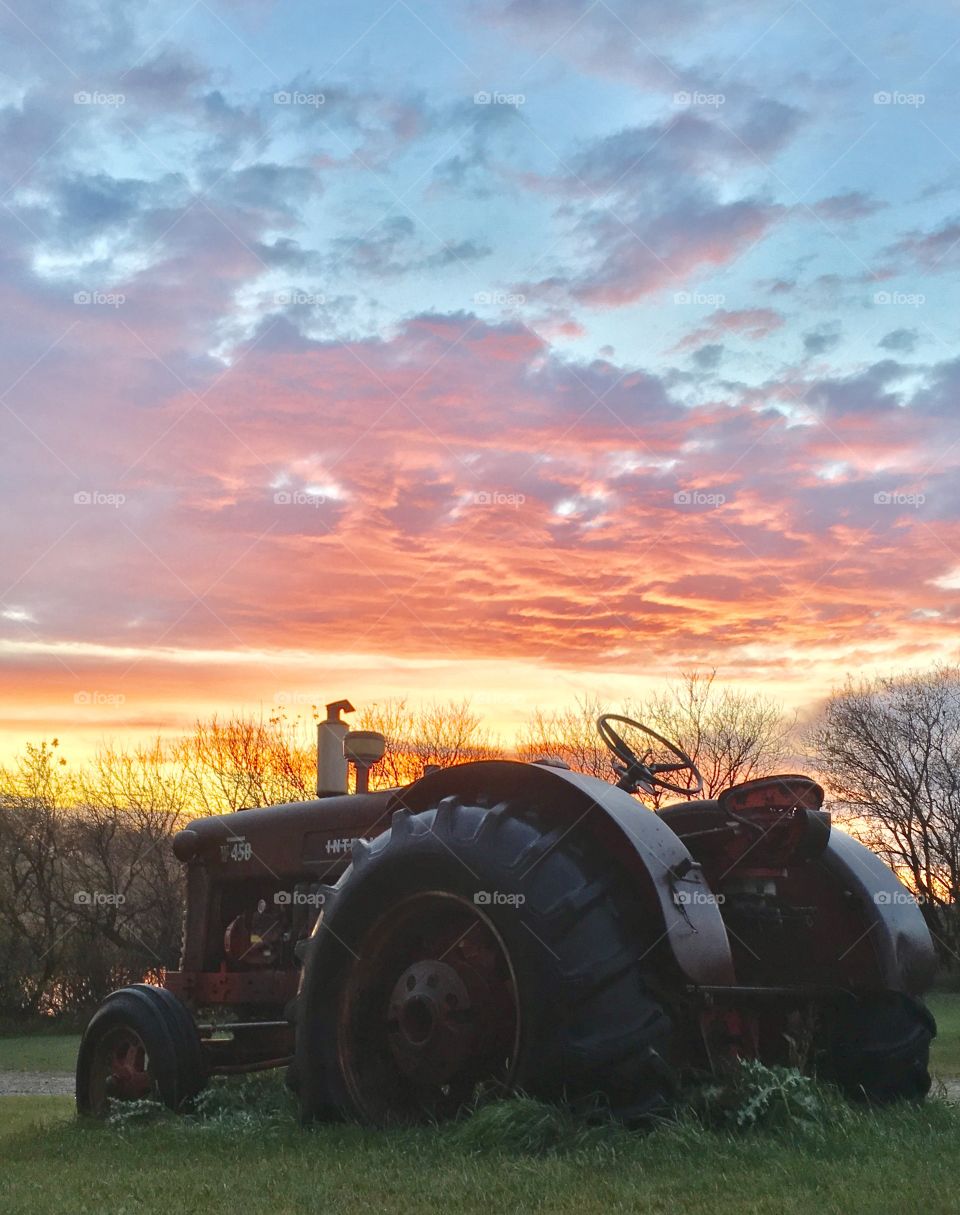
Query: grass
[516,1156]
[39,1053]
[897,1159]
[945,1050]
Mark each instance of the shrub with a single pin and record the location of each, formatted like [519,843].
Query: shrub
[752,1096]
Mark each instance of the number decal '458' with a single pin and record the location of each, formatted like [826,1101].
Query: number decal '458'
[236,849]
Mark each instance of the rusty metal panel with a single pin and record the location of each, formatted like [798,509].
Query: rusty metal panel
[200,988]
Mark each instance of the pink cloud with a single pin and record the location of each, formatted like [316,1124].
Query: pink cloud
[753,324]
[459,489]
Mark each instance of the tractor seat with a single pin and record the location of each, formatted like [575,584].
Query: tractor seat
[785,809]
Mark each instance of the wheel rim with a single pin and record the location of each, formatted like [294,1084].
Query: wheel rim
[119,1069]
[429,1016]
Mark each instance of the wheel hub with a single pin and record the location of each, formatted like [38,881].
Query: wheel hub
[430,1015]
[128,1078]
[430,1020]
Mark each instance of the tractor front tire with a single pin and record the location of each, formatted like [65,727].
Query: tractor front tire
[473,950]
[140,1044]
[881,1048]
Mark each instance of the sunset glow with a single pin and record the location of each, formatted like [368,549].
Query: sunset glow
[516,351]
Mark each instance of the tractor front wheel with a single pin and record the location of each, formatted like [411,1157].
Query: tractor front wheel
[472,950]
[140,1044]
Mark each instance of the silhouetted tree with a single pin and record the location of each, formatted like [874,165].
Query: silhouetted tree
[888,749]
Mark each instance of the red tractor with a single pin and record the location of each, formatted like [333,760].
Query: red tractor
[501,926]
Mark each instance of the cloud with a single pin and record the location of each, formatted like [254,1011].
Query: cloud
[869,392]
[276,191]
[483,134]
[753,324]
[646,212]
[821,339]
[845,208]
[900,341]
[391,249]
[936,250]
[708,358]
[470,455]
[640,44]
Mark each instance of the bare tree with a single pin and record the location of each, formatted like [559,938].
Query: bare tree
[568,734]
[115,849]
[33,794]
[731,736]
[239,762]
[888,750]
[444,733]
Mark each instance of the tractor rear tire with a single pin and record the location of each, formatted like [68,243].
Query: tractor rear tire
[141,1043]
[480,951]
[881,1048]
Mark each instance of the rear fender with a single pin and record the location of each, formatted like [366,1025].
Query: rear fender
[634,837]
[896,928]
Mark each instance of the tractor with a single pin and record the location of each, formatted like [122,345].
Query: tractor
[498,927]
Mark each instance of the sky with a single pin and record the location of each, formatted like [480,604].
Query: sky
[520,350]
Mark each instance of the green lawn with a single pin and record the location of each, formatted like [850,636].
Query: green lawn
[869,1162]
[39,1053]
[898,1160]
[945,1051]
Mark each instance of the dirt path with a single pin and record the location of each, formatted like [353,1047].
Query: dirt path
[36,1084]
[61,1084]
[951,1085]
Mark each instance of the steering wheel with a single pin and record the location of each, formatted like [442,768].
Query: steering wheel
[636,773]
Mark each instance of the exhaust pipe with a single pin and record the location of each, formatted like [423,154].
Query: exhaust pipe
[331,762]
